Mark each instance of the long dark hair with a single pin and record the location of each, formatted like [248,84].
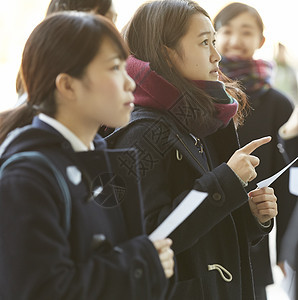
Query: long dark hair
[160,24]
[100,7]
[65,42]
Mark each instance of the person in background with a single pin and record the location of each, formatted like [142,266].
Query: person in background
[284,75]
[101,7]
[289,251]
[183,130]
[239,34]
[73,70]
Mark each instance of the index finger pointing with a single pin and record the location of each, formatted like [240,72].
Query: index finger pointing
[253,145]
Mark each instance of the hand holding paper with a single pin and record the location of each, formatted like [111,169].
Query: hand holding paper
[178,215]
[262,203]
[166,255]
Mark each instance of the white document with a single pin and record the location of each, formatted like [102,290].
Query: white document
[268,181]
[178,215]
[293,185]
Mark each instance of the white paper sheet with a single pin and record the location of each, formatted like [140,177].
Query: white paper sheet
[178,215]
[293,184]
[268,181]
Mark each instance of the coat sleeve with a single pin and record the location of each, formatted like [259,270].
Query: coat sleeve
[36,257]
[225,192]
[247,222]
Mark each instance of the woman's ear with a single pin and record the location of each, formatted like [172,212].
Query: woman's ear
[262,41]
[170,55]
[64,85]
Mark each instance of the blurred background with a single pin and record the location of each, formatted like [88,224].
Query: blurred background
[19,17]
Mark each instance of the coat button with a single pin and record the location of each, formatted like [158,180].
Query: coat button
[138,273]
[280,148]
[216,196]
[118,249]
[97,240]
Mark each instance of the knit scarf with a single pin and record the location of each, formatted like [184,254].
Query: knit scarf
[254,75]
[154,91]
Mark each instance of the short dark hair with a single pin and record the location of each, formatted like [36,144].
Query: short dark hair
[233,10]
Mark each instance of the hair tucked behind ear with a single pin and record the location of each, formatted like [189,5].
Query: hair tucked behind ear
[63,43]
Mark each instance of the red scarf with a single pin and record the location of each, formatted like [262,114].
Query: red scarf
[155,92]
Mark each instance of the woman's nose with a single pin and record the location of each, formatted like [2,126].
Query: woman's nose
[234,40]
[130,84]
[215,57]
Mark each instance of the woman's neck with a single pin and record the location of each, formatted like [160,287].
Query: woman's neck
[82,130]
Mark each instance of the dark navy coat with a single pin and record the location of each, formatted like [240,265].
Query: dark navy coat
[219,233]
[105,256]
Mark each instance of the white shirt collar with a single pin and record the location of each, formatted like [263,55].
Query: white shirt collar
[75,142]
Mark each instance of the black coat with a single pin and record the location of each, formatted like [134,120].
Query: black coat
[291,149]
[289,248]
[270,111]
[105,256]
[221,230]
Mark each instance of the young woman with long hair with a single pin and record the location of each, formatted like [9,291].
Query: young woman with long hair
[183,127]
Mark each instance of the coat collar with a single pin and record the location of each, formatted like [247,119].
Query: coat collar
[39,134]
[99,142]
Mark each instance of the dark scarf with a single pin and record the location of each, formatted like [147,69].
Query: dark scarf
[155,92]
[253,75]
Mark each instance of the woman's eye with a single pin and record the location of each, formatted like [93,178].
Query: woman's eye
[116,67]
[205,42]
[227,32]
[247,33]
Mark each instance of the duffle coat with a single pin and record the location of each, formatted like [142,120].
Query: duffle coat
[106,255]
[217,236]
